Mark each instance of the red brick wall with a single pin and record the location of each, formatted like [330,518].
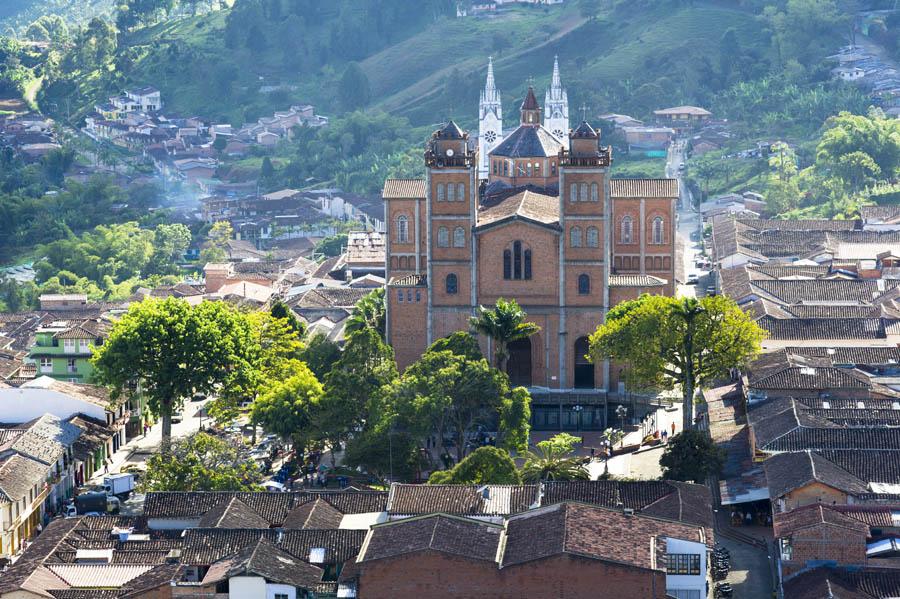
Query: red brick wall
[436,575]
[406,332]
[543,288]
[826,542]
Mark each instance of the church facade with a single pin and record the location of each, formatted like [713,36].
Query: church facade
[530,215]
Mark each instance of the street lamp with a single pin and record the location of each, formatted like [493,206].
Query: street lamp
[577,409]
[621,412]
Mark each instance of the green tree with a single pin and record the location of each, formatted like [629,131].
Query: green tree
[368,313]
[354,385]
[553,459]
[56,163]
[174,350]
[200,462]
[691,456]
[216,247]
[288,408]
[321,354]
[169,245]
[504,323]
[484,466]
[515,420]
[332,246]
[353,90]
[461,343]
[684,341]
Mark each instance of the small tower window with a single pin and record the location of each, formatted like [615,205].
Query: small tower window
[527,273]
[400,295]
[505,168]
[461,192]
[627,229]
[507,264]
[517,260]
[402,229]
[553,168]
[595,192]
[440,192]
[575,237]
[584,192]
[573,192]
[495,167]
[459,237]
[452,284]
[528,166]
[451,192]
[593,237]
[584,285]
[658,230]
[443,237]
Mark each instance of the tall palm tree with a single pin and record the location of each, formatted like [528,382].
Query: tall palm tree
[552,462]
[504,323]
[368,313]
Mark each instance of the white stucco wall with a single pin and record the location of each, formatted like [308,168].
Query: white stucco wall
[246,587]
[687,582]
[24,404]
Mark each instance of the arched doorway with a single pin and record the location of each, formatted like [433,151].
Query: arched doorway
[518,367]
[584,370]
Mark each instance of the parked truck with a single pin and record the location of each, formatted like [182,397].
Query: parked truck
[120,485]
[94,503]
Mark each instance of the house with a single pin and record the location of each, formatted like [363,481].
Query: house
[683,118]
[644,139]
[817,533]
[564,549]
[71,301]
[144,99]
[62,349]
[880,218]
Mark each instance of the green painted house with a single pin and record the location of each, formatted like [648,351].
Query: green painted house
[62,350]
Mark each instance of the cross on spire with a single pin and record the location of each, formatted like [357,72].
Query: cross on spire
[584,109]
[530,81]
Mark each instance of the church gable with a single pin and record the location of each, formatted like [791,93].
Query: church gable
[526,205]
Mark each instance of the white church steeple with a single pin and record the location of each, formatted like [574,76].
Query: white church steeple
[556,107]
[490,120]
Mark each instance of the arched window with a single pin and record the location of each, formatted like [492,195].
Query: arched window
[461,192]
[595,192]
[584,284]
[443,237]
[593,237]
[584,192]
[402,229]
[573,192]
[400,295]
[440,192]
[452,284]
[517,262]
[459,237]
[403,263]
[658,230]
[575,237]
[627,228]
[451,192]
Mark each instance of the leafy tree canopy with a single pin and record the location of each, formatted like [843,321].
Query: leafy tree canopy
[200,462]
[484,466]
[691,456]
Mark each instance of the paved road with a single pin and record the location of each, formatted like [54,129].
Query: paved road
[689,224]
[750,576]
[139,449]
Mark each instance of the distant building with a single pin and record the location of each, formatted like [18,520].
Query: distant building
[683,118]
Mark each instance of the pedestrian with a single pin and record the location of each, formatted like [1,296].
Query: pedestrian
[748,518]
[665,436]
[592,454]
[106,466]
[673,429]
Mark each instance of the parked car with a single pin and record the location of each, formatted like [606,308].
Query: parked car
[176,418]
[692,279]
[711,290]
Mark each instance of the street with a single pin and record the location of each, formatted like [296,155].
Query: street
[689,224]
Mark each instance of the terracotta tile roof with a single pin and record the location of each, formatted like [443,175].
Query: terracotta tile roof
[232,513]
[665,499]
[786,329]
[17,575]
[643,188]
[472,539]
[880,214]
[266,560]
[805,437]
[789,471]
[83,593]
[527,204]
[859,583]
[786,524]
[692,110]
[18,475]
[782,370]
[461,500]
[592,532]
[403,189]
[331,297]
[46,438]
[636,281]
[340,545]
[313,514]
[154,578]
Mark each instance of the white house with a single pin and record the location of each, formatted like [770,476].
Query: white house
[144,99]
[685,569]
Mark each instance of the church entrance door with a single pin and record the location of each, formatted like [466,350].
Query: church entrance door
[584,370]
[518,367]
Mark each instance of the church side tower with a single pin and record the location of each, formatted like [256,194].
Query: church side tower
[556,108]
[490,121]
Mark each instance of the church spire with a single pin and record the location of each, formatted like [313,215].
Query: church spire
[490,94]
[556,83]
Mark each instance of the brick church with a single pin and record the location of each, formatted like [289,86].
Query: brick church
[530,214]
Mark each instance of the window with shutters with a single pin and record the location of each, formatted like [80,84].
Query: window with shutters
[452,284]
[451,192]
[584,192]
[573,192]
[627,228]
[459,237]
[402,229]
[575,237]
[593,237]
[595,192]
[461,192]
[584,284]
[440,192]
[443,237]
[658,236]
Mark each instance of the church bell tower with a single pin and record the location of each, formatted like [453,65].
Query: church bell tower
[490,121]
[556,108]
